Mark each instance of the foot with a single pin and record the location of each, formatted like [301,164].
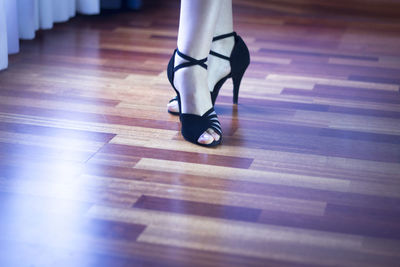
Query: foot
[217,67]
[195,97]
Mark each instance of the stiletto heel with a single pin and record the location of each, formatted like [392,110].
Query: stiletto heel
[236,84]
[192,125]
[239,61]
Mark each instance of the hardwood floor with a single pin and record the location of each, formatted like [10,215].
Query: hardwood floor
[94,171]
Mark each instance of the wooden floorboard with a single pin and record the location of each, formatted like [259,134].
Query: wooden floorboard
[95,172]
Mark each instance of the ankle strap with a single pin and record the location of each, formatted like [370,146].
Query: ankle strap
[191,61]
[223,36]
[219,37]
[219,55]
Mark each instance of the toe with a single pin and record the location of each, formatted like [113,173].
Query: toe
[214,134]
[173,106]
[205,138]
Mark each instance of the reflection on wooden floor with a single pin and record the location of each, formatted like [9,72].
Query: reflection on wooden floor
[94,172]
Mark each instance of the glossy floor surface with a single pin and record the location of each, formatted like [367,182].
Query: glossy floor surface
[94,171]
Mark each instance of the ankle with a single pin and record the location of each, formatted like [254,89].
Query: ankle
[192,85]
[191,78]
[223,46]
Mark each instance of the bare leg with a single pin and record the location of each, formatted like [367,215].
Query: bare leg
[196,29]
[225,18]
[217,68]
[197,24]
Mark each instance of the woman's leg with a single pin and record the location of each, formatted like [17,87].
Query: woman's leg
[217,67]
[196,30]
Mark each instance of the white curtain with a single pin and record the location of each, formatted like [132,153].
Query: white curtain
[3,37]
[46,19]
[12,26]
[88,7]
[20,19]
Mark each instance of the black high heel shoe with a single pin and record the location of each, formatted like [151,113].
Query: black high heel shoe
[239,61]
[193,126]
